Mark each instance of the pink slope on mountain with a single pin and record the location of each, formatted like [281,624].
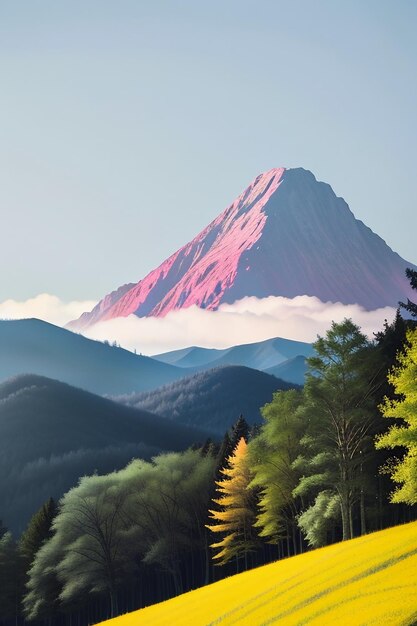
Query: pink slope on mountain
[207,266]
[286,235]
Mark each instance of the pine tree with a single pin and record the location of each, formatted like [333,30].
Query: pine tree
[411,307]
[234,519]
[38,530]
[404,379]
[239,429]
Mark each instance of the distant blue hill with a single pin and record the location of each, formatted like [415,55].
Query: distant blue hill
[265,355]
[212,399]
[36,347]
[293,370]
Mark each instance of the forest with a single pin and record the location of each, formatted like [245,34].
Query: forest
[334,460]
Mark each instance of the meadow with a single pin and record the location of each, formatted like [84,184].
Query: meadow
[368,580]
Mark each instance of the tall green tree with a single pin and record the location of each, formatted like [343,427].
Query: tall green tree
[410,306]
[85,552]
[404,434]
[272,454]
[167,508]
[338,408]
[37,531]
[235,516]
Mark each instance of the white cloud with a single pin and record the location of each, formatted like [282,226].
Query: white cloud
[246,321]
[45,307]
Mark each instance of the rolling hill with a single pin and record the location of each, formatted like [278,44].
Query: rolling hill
[287,234]
[261,355]
[51,434]
[364,581]
[212,399]
[36,347]
[283,358]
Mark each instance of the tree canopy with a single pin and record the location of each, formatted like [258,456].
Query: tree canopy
[403,434]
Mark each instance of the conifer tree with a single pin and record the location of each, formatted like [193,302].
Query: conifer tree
[38,530]
[410,306]
[239,429]
[234,519]
[404,379]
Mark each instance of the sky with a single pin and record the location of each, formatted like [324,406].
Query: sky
[126,127]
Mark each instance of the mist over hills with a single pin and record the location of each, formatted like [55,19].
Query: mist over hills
[212,399]
[52,433]
[287,234]
[37,347]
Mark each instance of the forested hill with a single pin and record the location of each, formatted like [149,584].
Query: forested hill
[52,433]
[212,399]
[31,345]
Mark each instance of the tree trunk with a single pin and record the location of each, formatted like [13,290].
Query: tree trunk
[113,602]
[345,517]
[350,521]
[362,510]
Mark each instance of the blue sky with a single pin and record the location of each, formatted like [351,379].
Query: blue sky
[127,126]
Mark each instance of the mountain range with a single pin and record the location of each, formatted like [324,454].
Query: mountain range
[287,234]
[280,357]
[31,346]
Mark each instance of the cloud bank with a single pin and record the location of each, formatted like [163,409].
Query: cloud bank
[45,307]
[246,321]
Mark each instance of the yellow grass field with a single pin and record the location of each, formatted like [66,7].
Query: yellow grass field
[369,580]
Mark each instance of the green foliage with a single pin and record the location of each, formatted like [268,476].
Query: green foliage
[152,512]
[272,454]
[319,518]
[338,410]
[404,408]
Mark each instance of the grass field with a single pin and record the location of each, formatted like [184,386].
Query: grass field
[369,580]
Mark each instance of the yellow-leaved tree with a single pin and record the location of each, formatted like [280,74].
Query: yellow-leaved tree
[404,380]
[235,516]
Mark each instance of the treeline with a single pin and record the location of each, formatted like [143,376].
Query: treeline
[332,461]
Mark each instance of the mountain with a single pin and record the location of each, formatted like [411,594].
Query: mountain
[212,399]
[286,235]
[261,355]
[52,433]
[292,371]
[34,346]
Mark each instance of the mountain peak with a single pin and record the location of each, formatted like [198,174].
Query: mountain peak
[286,235]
